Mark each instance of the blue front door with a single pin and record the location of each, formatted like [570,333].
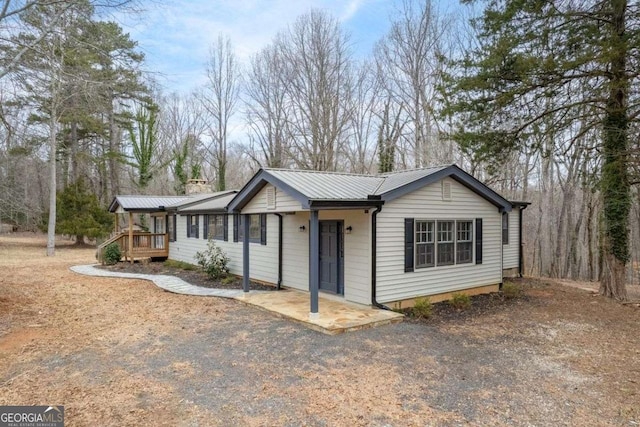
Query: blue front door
[331,257]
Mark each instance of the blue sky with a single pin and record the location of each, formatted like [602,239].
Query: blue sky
[176,35]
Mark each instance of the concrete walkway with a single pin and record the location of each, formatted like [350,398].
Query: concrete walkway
[335,316]
[168,283]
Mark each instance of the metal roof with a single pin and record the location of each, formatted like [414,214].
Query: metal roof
[143,203]
[197,198]
[395,180]
[328,185]
[218,204]
[322,188]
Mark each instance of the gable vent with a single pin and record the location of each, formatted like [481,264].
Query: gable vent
[271,198]
[446,191]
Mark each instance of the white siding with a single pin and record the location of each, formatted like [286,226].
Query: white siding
[284,202]
[357,252]
[510,251]
[263,264]
[394,284]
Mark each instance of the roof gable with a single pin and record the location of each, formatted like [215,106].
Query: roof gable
[324,188]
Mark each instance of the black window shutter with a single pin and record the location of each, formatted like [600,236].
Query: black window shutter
[478,240]
[188,225]
[225,220]
[408,244]
[263,229]
[205,227]
[236,226]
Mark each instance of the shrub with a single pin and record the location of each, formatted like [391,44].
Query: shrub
[213,260]
[460,301]
[111,254]
[511,290]
[422,308]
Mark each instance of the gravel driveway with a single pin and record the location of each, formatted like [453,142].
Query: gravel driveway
[118,352]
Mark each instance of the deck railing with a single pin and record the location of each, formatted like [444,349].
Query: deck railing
[145,245]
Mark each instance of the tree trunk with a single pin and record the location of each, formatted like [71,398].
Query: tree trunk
[615,175]
[51,229]
[613,284]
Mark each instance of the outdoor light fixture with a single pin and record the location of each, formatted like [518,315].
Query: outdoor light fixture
[348,230]
[302,228]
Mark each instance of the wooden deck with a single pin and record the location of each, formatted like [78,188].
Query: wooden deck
[145,245]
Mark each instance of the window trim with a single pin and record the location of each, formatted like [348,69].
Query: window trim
[435,242]
[426,244]
[190,234]
[208,222]
[505,231]
[262,223]
[451,242]
[171,230]
[468,241]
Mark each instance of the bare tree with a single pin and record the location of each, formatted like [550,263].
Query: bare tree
[317,72]
[219,99]
[410,60]
[360,151]
[266,108]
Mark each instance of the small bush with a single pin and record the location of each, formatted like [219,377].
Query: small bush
[172,263]
[460,301]
[111,254]
[213,260]
[511,290]
[422,308]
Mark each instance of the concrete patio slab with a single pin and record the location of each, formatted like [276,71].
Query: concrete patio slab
[334,317]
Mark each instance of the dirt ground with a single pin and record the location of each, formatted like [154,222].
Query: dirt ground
[123,352]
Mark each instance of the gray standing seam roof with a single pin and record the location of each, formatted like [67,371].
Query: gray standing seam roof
[328,185]
[314,187]
[133,203]
[217,204]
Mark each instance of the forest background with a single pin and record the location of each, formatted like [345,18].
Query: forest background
[539,99]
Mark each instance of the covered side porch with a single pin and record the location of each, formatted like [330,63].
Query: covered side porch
[144,240]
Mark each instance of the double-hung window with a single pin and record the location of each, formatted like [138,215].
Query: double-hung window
[445,242]
[215,227]
[171,227]
[256,222]
[425,244]
[505,228]
[193,225]
[464,242]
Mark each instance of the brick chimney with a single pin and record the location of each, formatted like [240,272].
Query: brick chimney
[197,186]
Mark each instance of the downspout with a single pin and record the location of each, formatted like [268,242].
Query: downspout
[279,284]
[520,249]
[374,239]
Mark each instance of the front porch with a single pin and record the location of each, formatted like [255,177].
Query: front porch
[335,316]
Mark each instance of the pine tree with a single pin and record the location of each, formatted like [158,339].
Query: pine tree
[541,68]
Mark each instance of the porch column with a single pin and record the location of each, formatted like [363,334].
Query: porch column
[131,236]
[314,262]
[245,252]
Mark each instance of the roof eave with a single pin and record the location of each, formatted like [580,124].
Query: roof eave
[255,184]
[344,203]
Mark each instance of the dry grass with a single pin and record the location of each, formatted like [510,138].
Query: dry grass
[123,352]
